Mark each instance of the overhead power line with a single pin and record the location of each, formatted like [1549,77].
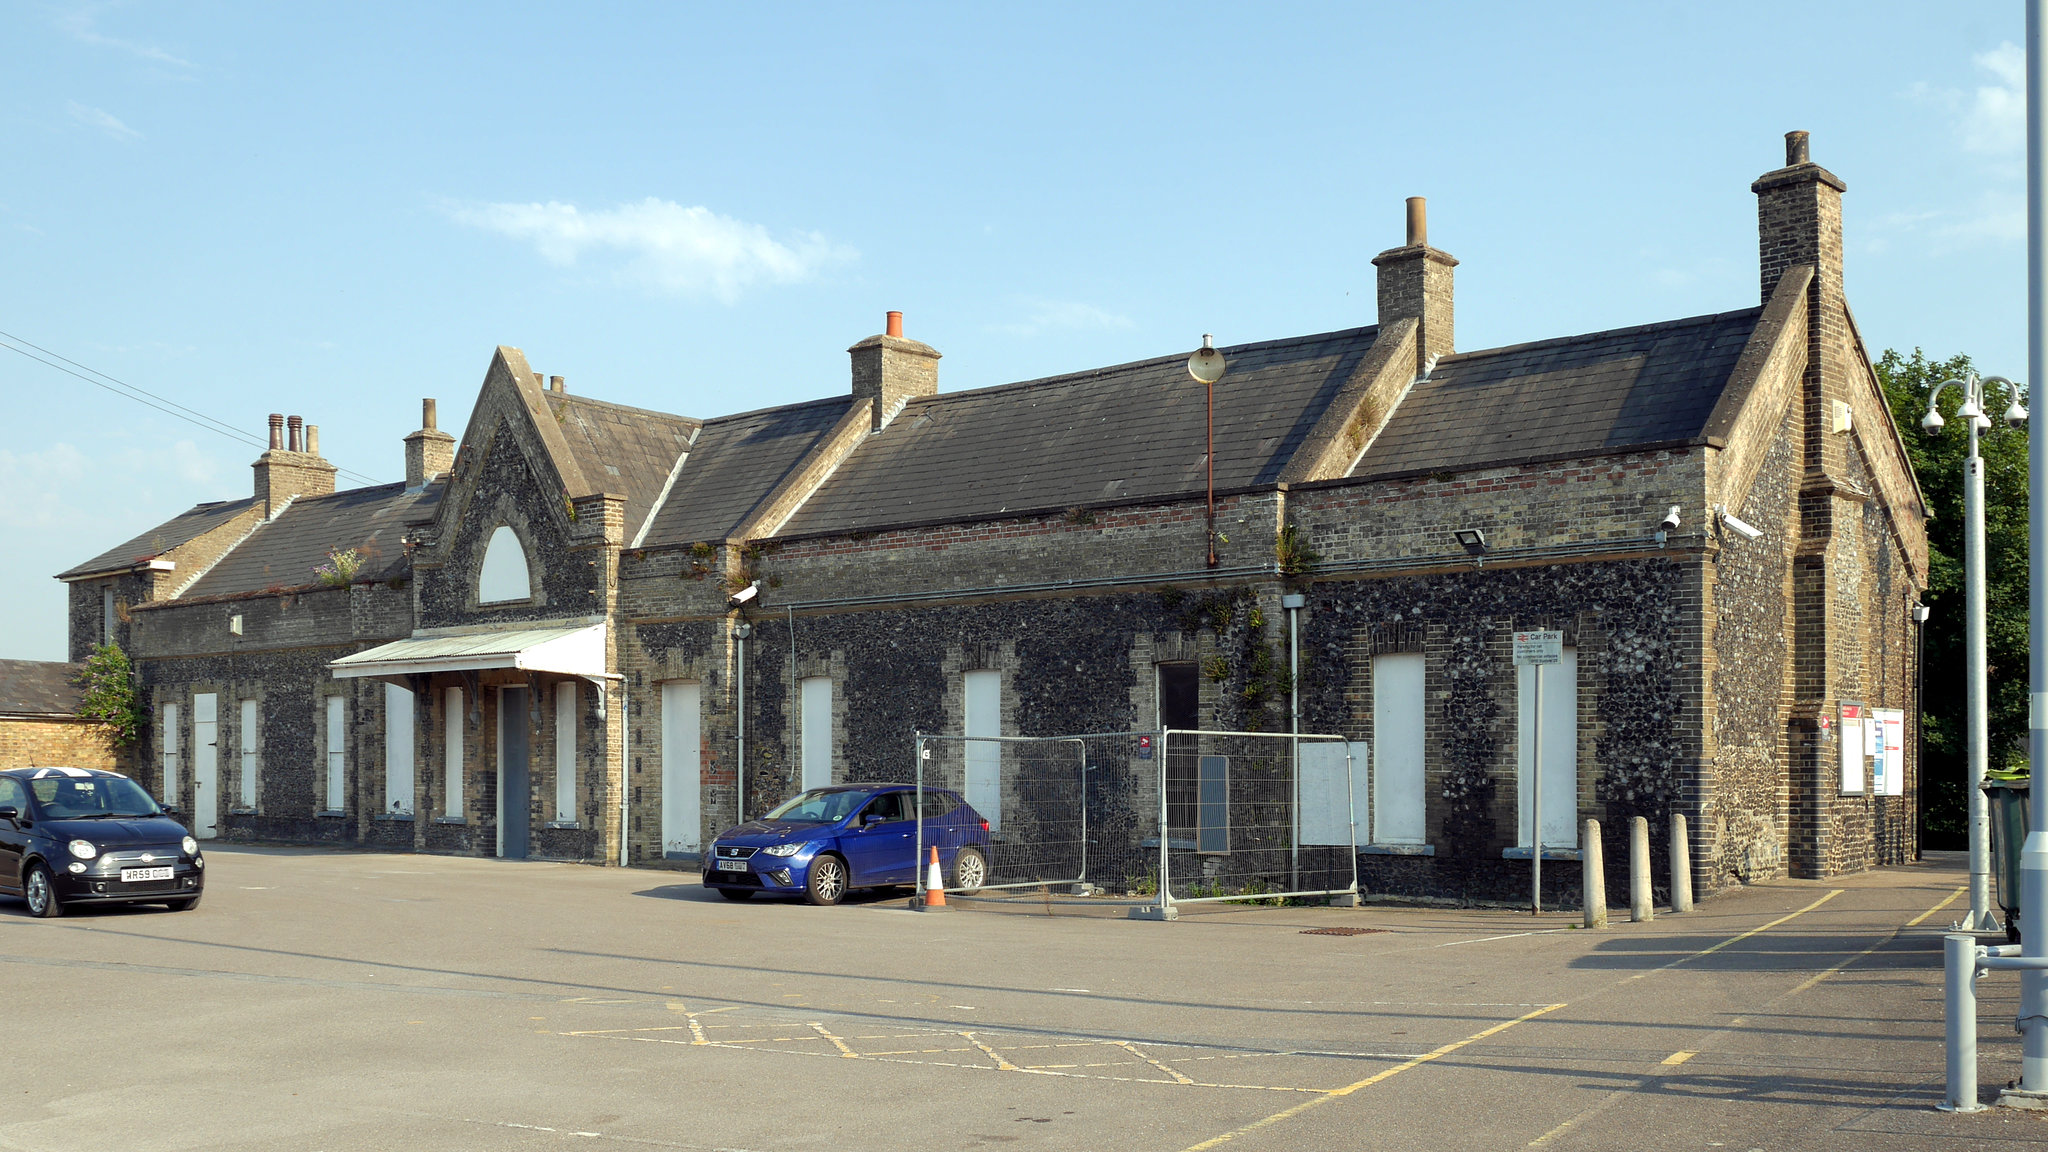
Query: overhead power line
[143,396]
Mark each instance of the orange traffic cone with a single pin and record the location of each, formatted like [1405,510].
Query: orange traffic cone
[934,886]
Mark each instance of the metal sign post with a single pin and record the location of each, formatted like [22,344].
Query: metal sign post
[1534,650]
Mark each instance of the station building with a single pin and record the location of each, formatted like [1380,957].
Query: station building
[527,648]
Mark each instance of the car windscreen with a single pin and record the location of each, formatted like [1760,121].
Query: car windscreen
[73,798]
[820,806]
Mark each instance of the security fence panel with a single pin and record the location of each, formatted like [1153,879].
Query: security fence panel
[1061,811]
[1258,817]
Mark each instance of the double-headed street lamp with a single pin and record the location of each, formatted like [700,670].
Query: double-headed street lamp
[1981,918]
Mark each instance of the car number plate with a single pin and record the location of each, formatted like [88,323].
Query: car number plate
[732,865]
[131,875]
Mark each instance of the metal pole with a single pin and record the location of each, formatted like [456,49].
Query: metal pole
[917,869]
[1959,973]
[625,768]
[1294,730]
[1209,459]
[1536,800]
[2033,1015]
[1165,743]
[1981,918]
[739,771]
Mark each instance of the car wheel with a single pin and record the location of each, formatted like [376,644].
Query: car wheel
[970,871]
[827,883]
[735,893]
[185,905]
[41,893]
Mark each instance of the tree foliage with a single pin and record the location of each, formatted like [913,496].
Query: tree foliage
[110,695]
[1938,463]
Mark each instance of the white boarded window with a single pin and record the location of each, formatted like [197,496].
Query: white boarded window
[817,737]
[1397,789]
[1560,750]
[504,576]
[250,734]
[451,753]
[106,615]
[398,732]
[565,752]
[984,691]
[682,765]
[170,795]
[337,742]
[1331,801]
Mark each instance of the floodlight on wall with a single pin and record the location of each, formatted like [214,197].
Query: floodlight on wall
[1473,540]
[1921,612]
[1736,524]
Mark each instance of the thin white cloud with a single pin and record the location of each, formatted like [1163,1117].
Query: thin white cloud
[1995,120]
[101,119]
[1038,315]
[684,250]
[80,25]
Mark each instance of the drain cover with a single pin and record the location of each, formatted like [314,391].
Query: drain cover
[1340,931]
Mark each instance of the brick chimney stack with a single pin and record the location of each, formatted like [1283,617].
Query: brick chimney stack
[1799,222]
[1415,281]
[292,466]
[889,370]
[428,452]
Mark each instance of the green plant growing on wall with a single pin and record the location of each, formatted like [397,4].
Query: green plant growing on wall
[109,696]
[340,569]
[1292,553]
[1217,669]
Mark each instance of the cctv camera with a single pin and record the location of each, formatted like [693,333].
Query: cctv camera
[1749,531]
[739,599]
[1670,521]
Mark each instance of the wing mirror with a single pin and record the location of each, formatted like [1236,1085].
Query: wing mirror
[10,813]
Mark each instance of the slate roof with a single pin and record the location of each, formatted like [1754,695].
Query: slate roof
[629,451]
[1554,399]
[185,526]
[284,552]
[38,688]
[1132,431]
[736,462]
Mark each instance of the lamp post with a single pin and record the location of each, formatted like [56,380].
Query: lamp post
[1206,365]
[1981,918]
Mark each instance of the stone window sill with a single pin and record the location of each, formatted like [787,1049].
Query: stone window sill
[1411,850]
[397,817]
[569,824]
[241,812]
[330,814]
[1550,852]
[451,819]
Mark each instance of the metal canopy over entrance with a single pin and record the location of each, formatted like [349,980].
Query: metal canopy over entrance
[566,649]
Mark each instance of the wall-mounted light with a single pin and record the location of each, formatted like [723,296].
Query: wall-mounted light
[1735,523]
[1473,539]
[1921,612]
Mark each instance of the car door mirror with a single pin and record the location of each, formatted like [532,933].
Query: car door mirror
[10,813]
[867,818]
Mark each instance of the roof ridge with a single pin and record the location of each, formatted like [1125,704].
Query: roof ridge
[1087,374]
[579,398]
[1557,341]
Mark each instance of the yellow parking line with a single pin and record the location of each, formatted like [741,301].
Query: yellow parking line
[1677,1058]
[849,1053]
[1369,1081]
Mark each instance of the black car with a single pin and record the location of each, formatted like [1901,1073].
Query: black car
[82,836]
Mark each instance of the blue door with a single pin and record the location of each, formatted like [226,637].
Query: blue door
[878,842]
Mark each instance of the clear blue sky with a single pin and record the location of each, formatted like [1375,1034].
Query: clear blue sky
[336,210]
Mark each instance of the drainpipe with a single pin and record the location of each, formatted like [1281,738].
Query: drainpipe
[625,769]
[740,632]
[1294,602]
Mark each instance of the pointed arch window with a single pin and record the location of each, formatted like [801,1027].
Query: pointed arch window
[504,576]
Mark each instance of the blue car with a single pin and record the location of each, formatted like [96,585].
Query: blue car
[829,841]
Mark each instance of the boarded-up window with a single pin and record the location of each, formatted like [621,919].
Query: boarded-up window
[984,691]
[1397,715]
[504,576]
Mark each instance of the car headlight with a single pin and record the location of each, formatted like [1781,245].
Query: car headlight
[190,846]
[782,849]
[84,850]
